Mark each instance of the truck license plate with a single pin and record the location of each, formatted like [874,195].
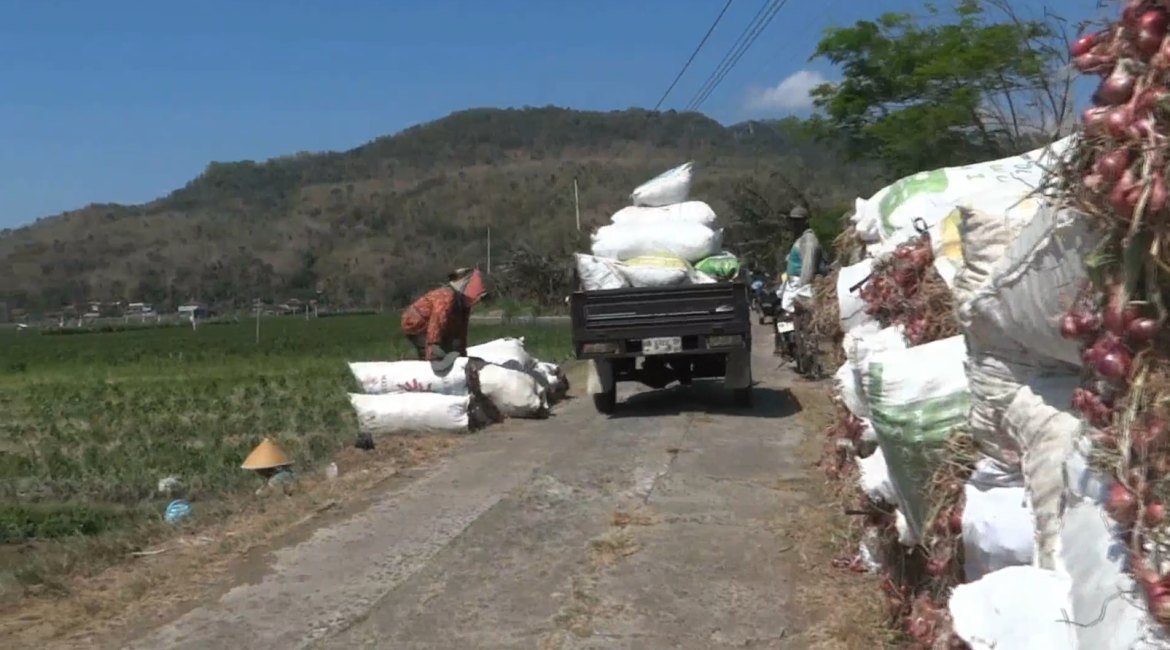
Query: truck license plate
[783,327]
[666,345]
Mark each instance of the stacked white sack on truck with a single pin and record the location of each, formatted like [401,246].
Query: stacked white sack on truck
[658,241]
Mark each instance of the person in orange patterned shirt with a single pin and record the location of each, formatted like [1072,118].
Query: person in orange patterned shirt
[436,324]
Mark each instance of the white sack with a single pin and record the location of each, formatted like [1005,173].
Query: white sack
[993,186]
[874,477]
[691,211]
[1106,603]
[654,276]
[1016,608]
[849,303]
[516,393]
[410,412]
[865,222]
[997,523]
[412,376]
[552,379]
[507,352]
[597,273]
[690,241]
[671,186]
[1039,421]
[917,397]
[1026,299]
[845,381]
[984,238]
[860,349]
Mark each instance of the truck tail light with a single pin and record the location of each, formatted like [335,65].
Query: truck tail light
[601,348]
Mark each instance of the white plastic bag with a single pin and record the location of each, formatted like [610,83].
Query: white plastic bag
[410,412]
[1016,608]
[597,273]
[997,523]
[506,352]
[671,186]
[516,393]
[845,381]
[690,241]
[917,397]
[692,211]
[382,377]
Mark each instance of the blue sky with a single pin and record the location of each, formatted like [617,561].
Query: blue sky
[125,100]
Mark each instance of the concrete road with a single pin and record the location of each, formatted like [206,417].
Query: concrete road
[651,529]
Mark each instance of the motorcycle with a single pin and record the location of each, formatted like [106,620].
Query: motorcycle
[792,342]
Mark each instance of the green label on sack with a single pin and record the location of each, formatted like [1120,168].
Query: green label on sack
[933,182]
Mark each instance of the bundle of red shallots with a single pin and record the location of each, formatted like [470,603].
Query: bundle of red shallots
[905,289]
[1116,176]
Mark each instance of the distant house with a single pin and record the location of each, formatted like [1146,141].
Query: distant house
[193,311]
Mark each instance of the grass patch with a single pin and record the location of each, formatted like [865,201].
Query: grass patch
[93,422]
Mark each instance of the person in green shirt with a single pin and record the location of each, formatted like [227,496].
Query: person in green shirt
[804,258]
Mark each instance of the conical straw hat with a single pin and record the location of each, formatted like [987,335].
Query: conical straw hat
[266,455]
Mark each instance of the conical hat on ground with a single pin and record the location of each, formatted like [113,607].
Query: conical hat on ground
[266,455]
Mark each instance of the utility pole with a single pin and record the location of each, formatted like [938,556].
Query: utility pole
[489,261]
[577,204]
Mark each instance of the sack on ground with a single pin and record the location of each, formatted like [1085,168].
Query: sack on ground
[382,377]
[516,393]
[506,352]
[1016,608]
[692,211]
[411,413]
[552,378]
[917,397]
[690,241]
[997,523]
[671,186]
[661,270]
[724,266]
[596,273]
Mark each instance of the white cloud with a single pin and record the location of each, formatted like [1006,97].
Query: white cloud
[791,94]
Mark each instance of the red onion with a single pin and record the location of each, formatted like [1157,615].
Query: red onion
[1113,164]
[1119,122]
[1068,327]
[1154,514]
[1142,329]
[1094,120]
[955,523]
[1131,14]
[936,566]
[1121,197]
[1114,364]
[1084,44]
[1157,199]
[1153,100]
[1155,21]
[1117,88]
[1121,504]
[1088,323]
[1117,315]
[1148,43]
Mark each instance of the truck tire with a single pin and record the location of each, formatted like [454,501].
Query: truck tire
[742,397]
[605,402]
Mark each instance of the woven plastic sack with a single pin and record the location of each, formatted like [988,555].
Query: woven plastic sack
[723,266]
[671,186]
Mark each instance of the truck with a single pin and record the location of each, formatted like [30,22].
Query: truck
[658,335]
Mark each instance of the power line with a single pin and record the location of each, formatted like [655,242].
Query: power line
[723,62]
[788,44]
[746,46]
[694,54]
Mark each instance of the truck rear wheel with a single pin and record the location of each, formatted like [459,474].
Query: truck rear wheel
[605,402]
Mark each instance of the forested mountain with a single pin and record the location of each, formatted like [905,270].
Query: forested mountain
[375,224]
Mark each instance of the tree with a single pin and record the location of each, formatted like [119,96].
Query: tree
[919,93]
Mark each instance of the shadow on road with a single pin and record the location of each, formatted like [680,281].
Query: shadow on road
[707,397]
